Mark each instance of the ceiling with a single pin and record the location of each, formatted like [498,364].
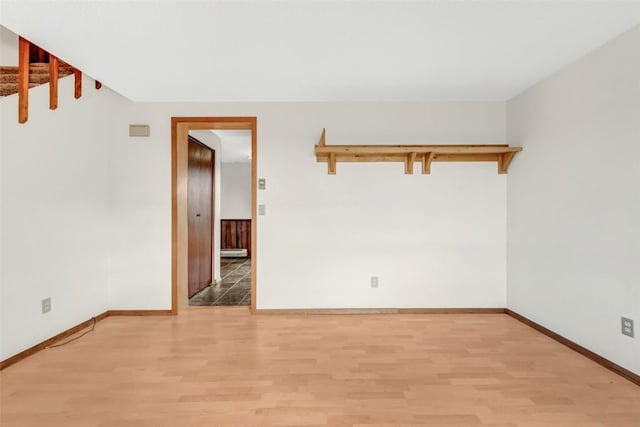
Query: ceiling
[438,50]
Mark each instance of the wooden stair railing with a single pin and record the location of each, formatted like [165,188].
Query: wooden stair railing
[35,67]
[39,73]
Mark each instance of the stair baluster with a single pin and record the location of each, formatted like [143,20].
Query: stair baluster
[53,82]
[23,80]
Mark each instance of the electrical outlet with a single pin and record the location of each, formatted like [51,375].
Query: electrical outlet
[627,326]
[262,210]
[374,281]
[46,305]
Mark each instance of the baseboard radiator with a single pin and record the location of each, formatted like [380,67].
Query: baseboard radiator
[233,253]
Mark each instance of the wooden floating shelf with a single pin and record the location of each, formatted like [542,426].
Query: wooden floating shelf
[409,154]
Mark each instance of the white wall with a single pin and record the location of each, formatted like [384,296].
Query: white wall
[140,274]
[8,47]
[54,217]
[574,201]
[236,191]
[435,241]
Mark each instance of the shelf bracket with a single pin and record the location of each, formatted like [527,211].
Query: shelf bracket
[408,163]
[426,162]
[504,160]
[332,163]
[322,143]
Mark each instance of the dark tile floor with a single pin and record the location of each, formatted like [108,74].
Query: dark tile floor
[235,288]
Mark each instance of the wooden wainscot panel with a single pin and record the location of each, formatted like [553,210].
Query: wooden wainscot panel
[236,234]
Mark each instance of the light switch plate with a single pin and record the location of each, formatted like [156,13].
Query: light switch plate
[261,210]
[262,184]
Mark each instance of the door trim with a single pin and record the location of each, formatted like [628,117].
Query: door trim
[180,127]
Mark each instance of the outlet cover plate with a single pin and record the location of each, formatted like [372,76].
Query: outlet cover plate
[627,326]
[374,281]
[46,305]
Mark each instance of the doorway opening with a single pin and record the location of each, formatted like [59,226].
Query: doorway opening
[236,235]
[230,283]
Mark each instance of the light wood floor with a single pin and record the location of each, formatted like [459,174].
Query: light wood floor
[222,366]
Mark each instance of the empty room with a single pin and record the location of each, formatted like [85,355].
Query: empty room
[306,213]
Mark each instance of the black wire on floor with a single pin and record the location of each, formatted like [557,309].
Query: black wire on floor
[93,327]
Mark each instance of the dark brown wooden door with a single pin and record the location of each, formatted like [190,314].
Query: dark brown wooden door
[200,214]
